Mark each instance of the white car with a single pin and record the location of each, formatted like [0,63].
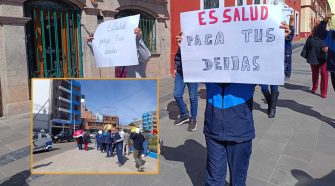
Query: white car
[42,141]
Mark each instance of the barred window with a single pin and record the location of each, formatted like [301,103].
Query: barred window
[147,24]
[211,4]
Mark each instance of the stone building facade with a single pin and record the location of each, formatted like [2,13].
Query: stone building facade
[47,38]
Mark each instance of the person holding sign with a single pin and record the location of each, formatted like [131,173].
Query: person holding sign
[179,87]
[143,53]
[229,129]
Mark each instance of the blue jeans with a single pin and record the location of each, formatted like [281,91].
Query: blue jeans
[221,153]
[288,65]
[145,148]
[119,154]
[80,146]
[108,150]
[179,87]
[265,88]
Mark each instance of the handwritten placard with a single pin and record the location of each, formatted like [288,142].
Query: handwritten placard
[234,45]
[114,42]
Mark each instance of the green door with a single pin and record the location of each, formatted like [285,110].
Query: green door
[53,39]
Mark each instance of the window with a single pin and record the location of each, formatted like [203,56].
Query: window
[241,2]
[296,24]
[147,24]
[257,2]
[53,39]
[208,4]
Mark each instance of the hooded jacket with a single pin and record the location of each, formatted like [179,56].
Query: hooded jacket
[228,115]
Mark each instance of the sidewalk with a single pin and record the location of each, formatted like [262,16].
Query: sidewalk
[295,148]
[74,161]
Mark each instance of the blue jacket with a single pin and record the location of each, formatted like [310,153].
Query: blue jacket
[228,114]
[288,42]
[330,41]
[109,138]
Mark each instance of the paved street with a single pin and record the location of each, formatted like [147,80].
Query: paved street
[92,160]
[295,148]
[57,148]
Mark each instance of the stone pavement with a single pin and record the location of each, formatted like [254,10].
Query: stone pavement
[92,161]
[295,148]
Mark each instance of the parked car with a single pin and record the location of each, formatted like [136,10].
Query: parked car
[62,136]
[42,142]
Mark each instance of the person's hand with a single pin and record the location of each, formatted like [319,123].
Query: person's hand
[138,32]
[174,73]
[325,49]
[90,38]
[328,16]
[286,27]
[179,38]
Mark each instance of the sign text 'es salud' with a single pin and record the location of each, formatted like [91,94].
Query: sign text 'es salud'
[233,45]
[114,42]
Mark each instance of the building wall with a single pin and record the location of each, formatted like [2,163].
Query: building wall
[13,69]
[148,119]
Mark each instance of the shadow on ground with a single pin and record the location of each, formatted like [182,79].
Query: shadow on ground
[297,107]
[173,110]
[18,179]
[42,165]
[304,179]
[193,155]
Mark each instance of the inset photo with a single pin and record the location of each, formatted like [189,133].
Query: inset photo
[95,126]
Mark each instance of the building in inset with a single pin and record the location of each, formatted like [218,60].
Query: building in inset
[66,107]
[56,105]
[111,122]
[150,121]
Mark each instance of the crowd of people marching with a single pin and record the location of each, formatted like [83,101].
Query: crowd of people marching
[120,143]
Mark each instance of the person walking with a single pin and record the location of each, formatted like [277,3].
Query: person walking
[126,143]
[288,50]
[271,98]
[179,87]
[86,140]
[138,140]
[108,142]
[330,49]
[98,139]
[103,144]
[229,129]
[80,142]
[314,52]
[145,143]
[118,143]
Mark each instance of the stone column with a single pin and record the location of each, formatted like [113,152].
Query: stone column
[13,60]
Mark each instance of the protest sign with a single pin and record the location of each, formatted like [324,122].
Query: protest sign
[114,42]
[233,45]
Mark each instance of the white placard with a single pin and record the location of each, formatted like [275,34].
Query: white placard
[233,45]
[114,42]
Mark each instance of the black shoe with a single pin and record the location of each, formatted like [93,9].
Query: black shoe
[274,99]
[267,97]
[192,125]
[181,120]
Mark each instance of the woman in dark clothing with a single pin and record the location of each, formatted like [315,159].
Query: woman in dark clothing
[314,52]
[86,140]
[80,143]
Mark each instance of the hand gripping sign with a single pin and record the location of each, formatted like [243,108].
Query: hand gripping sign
[234,45]
[114,42]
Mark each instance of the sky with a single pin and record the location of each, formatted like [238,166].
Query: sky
[128,99]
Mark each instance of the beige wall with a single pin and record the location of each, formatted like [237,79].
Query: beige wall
[13,66]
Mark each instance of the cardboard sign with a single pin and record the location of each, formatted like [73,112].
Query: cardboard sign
[234,45]
[114,42]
